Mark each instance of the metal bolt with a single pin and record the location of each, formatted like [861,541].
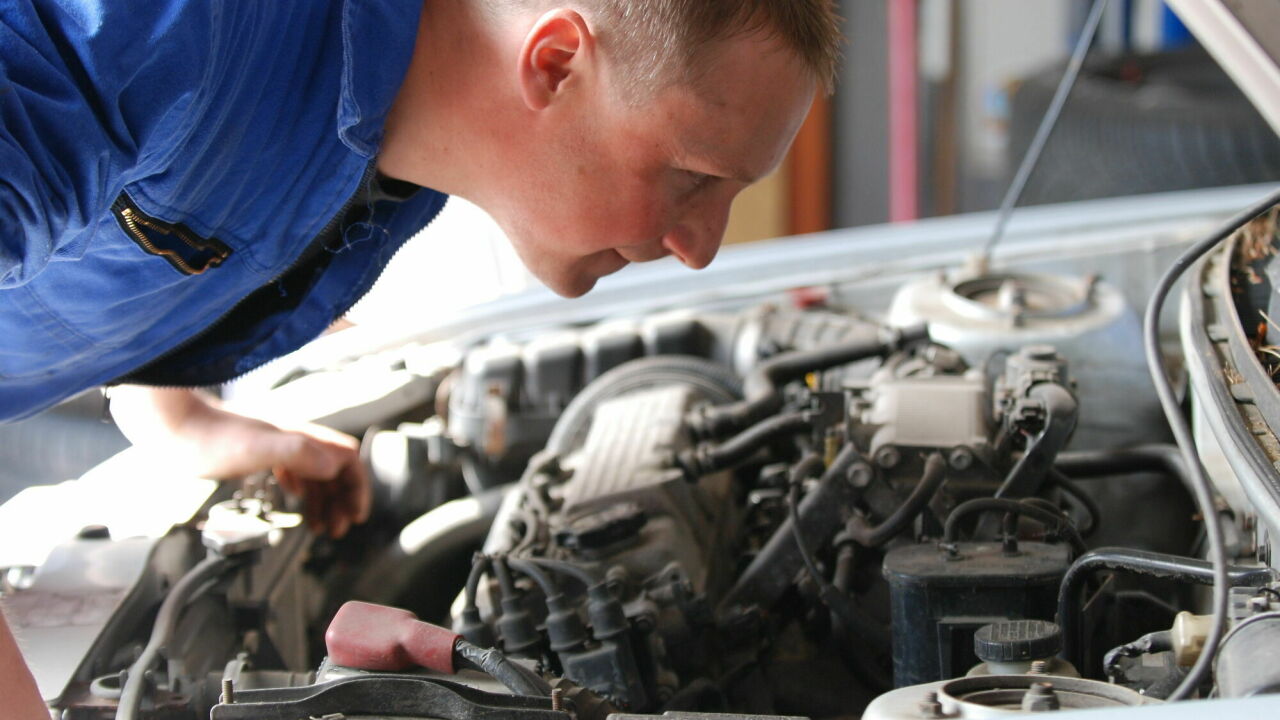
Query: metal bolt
[1040,697]
[930,707]
[950,550]
[888,457]
[557,700]
[1009,545]
[859,474]
[1039,667]
[228,692]
[645,623]
[960,458]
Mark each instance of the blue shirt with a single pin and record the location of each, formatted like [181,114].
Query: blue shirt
[162,160]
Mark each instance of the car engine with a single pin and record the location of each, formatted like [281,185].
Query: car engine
[970,505]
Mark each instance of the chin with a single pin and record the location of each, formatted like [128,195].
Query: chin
[570,286]
[577,284]
[575,290]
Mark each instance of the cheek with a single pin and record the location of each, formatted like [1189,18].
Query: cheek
[616,212]
[643,214]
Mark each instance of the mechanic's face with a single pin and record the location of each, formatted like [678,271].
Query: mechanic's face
[615,183]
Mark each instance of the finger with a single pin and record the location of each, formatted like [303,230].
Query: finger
[289,482]
[337,510]
[313,505]
[357,491]
[309,458]
[339,519]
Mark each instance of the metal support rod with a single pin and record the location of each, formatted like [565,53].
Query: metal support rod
[1047,124]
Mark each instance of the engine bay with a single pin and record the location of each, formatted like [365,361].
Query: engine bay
[968,504]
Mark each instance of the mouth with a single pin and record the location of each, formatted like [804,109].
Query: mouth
[619,262]
[606,263]
[583,280]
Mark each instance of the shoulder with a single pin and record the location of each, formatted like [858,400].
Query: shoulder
[152,50]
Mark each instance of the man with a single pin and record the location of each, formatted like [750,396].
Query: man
[188,189]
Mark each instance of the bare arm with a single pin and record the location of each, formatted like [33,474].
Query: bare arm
[191,433]
[17,687]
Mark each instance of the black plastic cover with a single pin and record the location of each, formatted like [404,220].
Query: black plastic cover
[939,600]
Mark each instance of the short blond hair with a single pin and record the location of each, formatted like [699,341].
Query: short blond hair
[651,38]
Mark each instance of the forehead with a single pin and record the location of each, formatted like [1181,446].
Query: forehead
[744,108]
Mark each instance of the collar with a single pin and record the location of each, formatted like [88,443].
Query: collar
[378,37]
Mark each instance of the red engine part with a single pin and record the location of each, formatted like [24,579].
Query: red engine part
[375,637]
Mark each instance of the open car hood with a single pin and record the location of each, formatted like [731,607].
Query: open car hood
[1242,36]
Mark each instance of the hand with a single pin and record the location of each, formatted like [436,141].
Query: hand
[195,435]
[322,466]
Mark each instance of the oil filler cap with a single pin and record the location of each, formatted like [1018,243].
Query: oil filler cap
[1016,640]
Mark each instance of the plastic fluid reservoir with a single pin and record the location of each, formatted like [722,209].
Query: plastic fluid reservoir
[1018,647]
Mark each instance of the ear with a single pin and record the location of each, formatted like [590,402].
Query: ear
[558,45]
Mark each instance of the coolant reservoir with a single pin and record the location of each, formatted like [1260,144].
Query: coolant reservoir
[1087,320]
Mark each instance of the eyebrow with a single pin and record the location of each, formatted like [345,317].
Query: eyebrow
[743,176]
[708,165]
[739,174]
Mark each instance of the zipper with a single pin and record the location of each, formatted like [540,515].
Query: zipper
[308,252]
[189,255]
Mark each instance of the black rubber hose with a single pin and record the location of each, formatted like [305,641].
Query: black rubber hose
[207,570]
[931,480]
[1160,641]
[1165,459]
[837,601]
[715,382]
[506,585]
[1053,520]
[846,562]
[543,461]
[862,658]
[1159,459]
[1201,487]
[1078,496]
[581,574]
[1061,413]
[517,678]
[1040,503]
[535,573]
[763,387]
[809,466]
[770,572]
[1139,562]
[479,565]
[708,458]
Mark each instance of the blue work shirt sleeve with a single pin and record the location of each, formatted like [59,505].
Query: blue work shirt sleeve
[92,93]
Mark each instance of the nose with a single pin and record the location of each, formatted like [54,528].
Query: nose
[696,240]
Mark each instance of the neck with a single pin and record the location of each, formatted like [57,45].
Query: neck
[441,127]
